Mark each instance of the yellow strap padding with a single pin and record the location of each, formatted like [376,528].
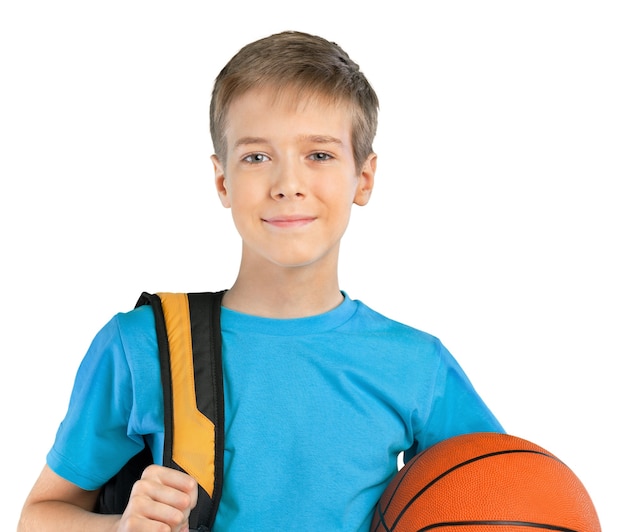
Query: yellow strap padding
[193,443]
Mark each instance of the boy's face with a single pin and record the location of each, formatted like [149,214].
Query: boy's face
[290,177]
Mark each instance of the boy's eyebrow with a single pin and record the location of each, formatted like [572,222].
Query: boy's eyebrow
[321,139]
[250,140]
[318,139]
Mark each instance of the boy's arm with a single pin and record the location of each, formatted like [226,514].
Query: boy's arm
[161,500]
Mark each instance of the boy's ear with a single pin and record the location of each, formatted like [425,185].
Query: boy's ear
[366,181]
[220,181]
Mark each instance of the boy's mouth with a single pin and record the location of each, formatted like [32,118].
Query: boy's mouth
[288,221]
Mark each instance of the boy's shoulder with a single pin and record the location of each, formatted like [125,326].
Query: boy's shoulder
[138,322]
[374,323]
[128,340]
[380,320]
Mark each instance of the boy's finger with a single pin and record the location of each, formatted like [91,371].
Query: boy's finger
[168,487]
[170,477]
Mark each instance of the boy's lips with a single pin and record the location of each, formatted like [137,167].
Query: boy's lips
[292,220]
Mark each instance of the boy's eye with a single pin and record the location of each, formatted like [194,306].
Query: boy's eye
[256,158]
[321,156]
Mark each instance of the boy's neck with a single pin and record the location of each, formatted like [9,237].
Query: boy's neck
[284,292]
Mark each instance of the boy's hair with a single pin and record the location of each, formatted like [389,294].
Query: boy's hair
[310,66]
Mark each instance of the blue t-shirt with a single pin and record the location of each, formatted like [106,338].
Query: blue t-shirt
[317,410]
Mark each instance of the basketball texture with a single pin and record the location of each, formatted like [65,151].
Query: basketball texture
[485,482]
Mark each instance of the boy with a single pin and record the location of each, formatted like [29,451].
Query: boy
[321,393]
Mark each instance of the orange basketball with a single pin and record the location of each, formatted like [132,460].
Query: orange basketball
[485,482]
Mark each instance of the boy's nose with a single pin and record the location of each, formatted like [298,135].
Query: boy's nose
[288,182]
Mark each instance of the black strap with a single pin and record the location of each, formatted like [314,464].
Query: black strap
[206,339]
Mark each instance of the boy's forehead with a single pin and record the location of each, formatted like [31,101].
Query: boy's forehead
[272,102]
[288,99]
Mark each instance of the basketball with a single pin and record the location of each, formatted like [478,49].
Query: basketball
[485,482]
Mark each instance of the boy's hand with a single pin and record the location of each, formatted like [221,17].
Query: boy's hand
[160,501]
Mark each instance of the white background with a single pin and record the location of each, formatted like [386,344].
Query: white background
[497,221]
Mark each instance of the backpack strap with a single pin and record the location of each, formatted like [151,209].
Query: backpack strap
[190,346]
[193,393]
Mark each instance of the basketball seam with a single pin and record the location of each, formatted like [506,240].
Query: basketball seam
[382,519]
[458,466]
[543,526]
[404,472]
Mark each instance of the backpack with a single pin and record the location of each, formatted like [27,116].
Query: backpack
[190,347]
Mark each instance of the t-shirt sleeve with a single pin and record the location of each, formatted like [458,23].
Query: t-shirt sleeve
[98,434]
[455,407]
